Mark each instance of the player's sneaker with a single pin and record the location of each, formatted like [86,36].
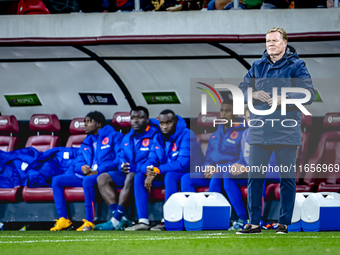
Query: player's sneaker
[159,227]
[123,224]
[62,224]
[249,230]
[282,229]
[138,227]
[238,225]
[87,226]
[105,226]
[275,225]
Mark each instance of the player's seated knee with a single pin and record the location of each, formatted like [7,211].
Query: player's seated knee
[169,176]
[103,179]
[130,177]
[55,181]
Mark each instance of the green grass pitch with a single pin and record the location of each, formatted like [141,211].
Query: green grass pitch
[162,243]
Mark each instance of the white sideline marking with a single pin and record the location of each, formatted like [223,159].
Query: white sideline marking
[157,238]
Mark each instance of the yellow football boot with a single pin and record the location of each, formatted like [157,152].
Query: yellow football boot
[61,224]
[87,226]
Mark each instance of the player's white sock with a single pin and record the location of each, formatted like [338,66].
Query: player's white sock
[143,220]
[114,221]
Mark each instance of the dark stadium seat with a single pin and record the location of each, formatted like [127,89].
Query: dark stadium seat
[34,195]
[328,153]
[77,129]
[205,121]
[44,122]
[37,195]
[302,151]
[121,122]
[156,194]
[8,125]
[74,194]
[11,195]
[270,191]
[32,7]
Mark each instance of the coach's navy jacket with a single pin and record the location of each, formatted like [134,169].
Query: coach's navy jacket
[174,155]
[107,153]
[289,71]
[136,147]
[224,146]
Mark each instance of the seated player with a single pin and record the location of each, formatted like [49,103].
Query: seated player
[224,149]
[169,160]
[97,154]
[136,146]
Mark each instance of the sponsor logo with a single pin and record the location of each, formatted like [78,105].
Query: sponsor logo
[205,119]
[332,119]
[78,124]
[38,121]
[144,149]
[231,141]
[175,154]
[105,146]
[3,122]
[123,119]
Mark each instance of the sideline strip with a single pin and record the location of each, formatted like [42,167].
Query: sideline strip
[156,238]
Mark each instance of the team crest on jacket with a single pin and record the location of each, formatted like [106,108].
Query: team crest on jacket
[174,147]
[105,141]
[234,135]
[145,142]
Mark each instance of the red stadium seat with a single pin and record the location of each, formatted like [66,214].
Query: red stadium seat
[11,195]
[32,7]
[8,125]
[44,122]
[77,129]
[157,194]
[34,195]
[74,194]
[205,121]
[328,153]
[302,151]
[44,195]
[121,122]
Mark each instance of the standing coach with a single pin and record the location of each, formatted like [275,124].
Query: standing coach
[279,67]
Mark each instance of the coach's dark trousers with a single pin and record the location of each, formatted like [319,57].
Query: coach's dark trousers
[285,157]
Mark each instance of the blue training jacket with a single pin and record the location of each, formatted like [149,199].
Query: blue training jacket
[14,166]
[174,155]
[224,146]
[50,163]
[136,147]
[264,75]
[107,153]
